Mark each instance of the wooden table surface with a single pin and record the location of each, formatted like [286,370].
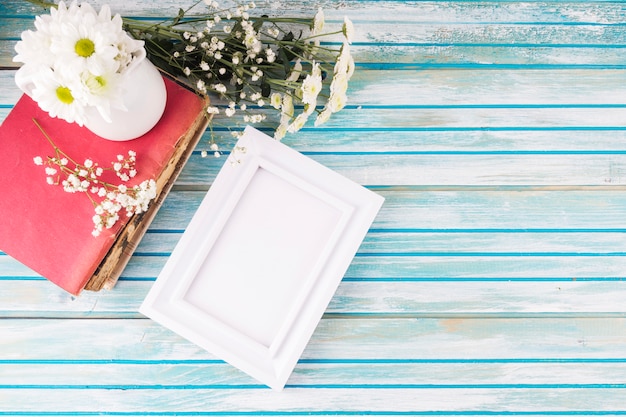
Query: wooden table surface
[491,283]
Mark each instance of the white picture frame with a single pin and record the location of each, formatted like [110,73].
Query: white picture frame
[262,257]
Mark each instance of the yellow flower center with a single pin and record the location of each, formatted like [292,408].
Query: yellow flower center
[96,84]
[85,48]
[64,95]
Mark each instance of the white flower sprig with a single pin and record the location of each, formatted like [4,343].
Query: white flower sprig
[108,199]
[254,63]
[76,59]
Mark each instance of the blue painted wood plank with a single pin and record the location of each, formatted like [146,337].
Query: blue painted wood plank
[491,282]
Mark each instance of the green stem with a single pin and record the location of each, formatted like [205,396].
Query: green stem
[57,151]
[41,3]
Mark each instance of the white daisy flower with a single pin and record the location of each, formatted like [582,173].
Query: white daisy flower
[343,60]
[298,123]
[337,102]
[103,92]
[281,131]
[316,70]
[295,72]
[34,46]
[89,44]
[339,84]
[351,68]
[323,116]
[348,29]
[58,97]
[287,106]
[318,22]
[311,87]
[275,100]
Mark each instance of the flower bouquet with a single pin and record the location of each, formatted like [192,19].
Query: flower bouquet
[76,60]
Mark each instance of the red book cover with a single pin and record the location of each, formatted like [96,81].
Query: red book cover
[50,230]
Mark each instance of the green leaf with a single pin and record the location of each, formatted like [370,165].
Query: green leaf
[259,23]
[288,37]
[265,89]
[181,14]
[282,55]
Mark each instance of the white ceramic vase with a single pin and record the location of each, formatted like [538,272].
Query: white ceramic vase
[144,96]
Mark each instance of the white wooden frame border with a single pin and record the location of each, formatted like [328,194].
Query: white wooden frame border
[266,347]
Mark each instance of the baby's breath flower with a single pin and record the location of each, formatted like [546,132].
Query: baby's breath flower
[85,178]
[252,61]
[201,86]
[257,118]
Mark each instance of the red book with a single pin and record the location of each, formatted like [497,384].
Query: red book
[50,230]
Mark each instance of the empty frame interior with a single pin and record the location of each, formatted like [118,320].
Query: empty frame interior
[267,256]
